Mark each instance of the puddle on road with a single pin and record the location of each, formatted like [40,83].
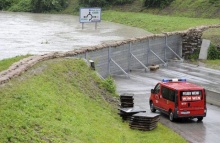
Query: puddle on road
[28,33]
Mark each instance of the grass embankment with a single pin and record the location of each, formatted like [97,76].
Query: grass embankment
[193,8]
[61,100]
[182,8]
[159,24]
[214,64]
[213,34]
[6,63]
[156,23]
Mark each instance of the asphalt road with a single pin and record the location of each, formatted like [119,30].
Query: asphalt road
[141,82]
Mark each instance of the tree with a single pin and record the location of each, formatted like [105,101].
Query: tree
[157,3]
[48,5]
[102,3]
[4,4]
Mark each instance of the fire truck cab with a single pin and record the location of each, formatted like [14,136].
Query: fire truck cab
[178,99]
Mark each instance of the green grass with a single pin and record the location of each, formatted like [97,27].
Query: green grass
[61,100]
[213,34]
[214,64]
[6,63]
[72,8]
[156,23]
[193,8]
[182,8]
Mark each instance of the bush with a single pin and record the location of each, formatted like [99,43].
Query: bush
[121,2]
[5,4]
[157,3]
[21,6]
[48,5]
[93,3]
[215,2]
[195,55]
[102,3]
[109,85]
[33,5]
[213,53]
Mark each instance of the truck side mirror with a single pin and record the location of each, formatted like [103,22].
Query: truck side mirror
[152,90]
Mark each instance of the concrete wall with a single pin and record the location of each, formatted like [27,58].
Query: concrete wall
[213,97]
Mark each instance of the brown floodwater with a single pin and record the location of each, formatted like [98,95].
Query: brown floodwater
[29,33]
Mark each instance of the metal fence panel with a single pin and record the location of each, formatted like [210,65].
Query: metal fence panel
[128,56]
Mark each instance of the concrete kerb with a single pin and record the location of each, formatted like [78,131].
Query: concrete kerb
[21,66]
[213,97]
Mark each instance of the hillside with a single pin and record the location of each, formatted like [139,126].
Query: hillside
[63,100]
[170,18]
[186,8]
[183,8]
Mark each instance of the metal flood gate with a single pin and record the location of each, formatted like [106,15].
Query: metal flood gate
[135,55]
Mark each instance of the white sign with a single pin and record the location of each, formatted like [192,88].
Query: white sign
[88,15]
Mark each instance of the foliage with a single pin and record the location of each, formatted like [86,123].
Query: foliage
[213,53]
[121,2]
[4,4]
[109,85]
[102,3]
[189,8]
[157,3]
[33,5]
[6,63]
[93,3]
[59,101]
[215,2]
[73,8]
[48,5]
[194,55]
[21,6]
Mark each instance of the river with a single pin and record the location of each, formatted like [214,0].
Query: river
[29,33]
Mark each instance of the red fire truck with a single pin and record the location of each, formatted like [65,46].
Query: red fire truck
[178,99]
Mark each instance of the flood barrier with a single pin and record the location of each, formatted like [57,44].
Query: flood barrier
[122,56]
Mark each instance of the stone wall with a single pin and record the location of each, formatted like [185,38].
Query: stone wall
[192,40]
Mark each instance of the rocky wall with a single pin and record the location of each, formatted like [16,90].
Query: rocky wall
[192,40]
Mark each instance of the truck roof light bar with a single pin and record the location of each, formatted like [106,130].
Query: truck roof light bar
[174,80]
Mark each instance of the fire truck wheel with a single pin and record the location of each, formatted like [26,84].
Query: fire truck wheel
[200,118]
[152,107]
[171,116]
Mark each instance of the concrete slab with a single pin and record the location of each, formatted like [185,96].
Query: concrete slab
[204,49]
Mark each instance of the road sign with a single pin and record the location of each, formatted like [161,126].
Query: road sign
[88,15]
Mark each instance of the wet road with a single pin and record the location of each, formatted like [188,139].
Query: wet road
[28,33]
[140,83]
